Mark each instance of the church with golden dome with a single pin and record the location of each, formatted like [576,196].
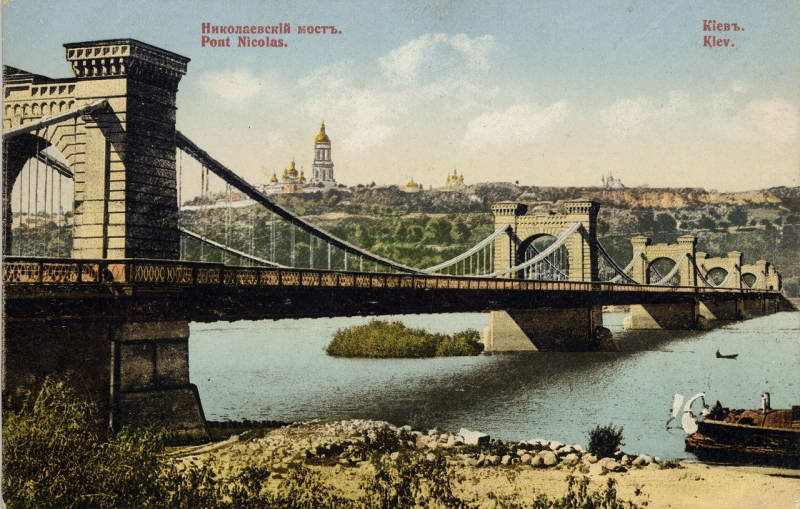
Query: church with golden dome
[291,181]
[454,182]
[322,168]
[411,187]
[294,181]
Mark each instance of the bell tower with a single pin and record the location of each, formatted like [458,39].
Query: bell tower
[322,169]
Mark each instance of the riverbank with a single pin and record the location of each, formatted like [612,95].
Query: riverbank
[485,470]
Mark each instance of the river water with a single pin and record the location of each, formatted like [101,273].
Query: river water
[277,370]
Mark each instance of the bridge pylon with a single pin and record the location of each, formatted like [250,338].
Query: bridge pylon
[646,256]
[681,253]
[122,156]
[529,221]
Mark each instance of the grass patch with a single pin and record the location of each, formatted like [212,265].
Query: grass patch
[381,339]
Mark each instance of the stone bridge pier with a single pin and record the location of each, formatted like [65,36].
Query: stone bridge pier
[570,329]
[136,368]
[149,379]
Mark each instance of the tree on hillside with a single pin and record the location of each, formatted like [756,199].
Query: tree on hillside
[460,232]
[363,237]
[400,231]
[737,216]
[439,230]
[645,221]
[665,223]
[706,223]
[415,233]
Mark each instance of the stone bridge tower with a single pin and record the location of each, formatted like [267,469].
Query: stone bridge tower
[122,157]
[731,264]
[134,357]
[529,221]
[682,253]
[529,328]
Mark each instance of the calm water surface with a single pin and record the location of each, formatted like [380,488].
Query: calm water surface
[278,370]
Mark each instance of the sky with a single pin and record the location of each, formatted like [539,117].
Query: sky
[550,93]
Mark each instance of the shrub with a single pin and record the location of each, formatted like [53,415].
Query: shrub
[579,497]
[466,342]
[58,454]
[605,440]
[380,339]
[411,481]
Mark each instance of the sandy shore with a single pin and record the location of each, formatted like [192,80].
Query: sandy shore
[659,484]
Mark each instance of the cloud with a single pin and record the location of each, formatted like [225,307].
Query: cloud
[515,125]
[437,54]
[234,87]
[338,75]
[437,75]
[738,87]
[770,120]
[626,117]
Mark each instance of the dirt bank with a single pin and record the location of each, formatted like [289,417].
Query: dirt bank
[340,452]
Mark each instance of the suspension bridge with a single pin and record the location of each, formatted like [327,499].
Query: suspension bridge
[119,230]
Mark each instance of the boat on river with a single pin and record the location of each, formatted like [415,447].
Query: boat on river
[763,436]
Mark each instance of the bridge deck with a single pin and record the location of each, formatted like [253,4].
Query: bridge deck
[144,272]
[211,291]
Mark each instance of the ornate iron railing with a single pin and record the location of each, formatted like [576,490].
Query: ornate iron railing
[141,272]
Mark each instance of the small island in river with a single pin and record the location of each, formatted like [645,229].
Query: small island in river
[382,339]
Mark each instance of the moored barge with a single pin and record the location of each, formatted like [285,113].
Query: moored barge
[764,436]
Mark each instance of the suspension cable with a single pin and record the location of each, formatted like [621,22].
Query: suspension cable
[36,197]
[52,192]
[545,252]
[664,280]
[236,252]
[227,221]
[61,221]
[310,251]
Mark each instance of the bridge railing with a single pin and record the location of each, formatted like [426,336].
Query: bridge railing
[143,272]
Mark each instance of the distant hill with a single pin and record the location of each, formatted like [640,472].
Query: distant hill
[763,224]
[390,200]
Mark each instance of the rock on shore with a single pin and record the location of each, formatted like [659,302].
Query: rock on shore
[352,442]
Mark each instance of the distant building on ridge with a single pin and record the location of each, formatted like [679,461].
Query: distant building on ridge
[294,181]
[609,182]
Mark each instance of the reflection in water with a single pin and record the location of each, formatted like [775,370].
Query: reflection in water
[278,370]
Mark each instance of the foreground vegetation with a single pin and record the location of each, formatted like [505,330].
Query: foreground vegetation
[380,339]
[58,455]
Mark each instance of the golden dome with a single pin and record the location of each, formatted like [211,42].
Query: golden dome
[411,183]
[322,137]
[292,172]
[274,178]
[302,176]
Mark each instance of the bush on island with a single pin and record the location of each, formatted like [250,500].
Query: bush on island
[381,339]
